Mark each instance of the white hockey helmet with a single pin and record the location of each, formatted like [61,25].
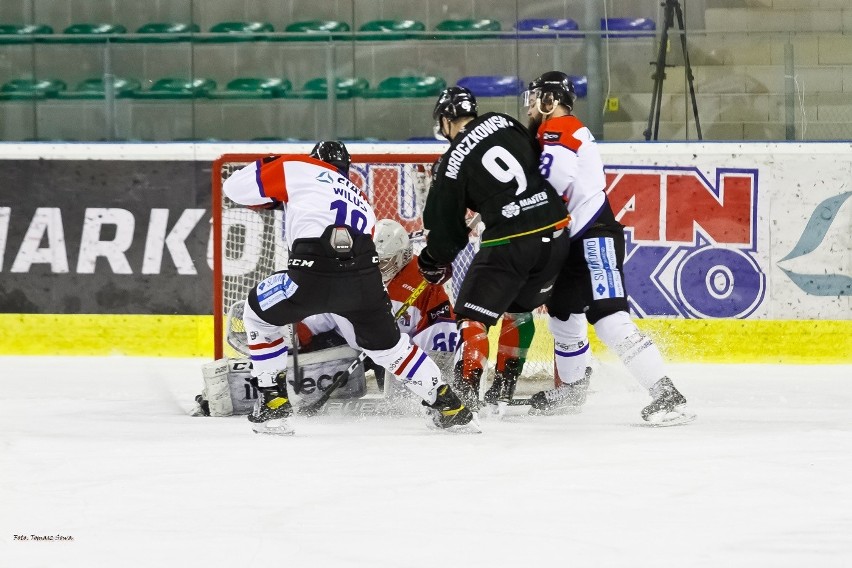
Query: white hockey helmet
[393,246]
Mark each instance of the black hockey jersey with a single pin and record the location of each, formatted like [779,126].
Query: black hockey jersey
[491,167]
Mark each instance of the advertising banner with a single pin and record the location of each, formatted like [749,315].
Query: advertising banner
[104,237]
[758,231]
[715,230]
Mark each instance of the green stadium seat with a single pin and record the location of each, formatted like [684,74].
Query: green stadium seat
[407,87]
[237,31]
[467,29]
[381,30]
[316,30]
[22,33]
[171,88]
[163,32]
[90,33]
[253,88]
[95,89]
[31,89]
[346,88]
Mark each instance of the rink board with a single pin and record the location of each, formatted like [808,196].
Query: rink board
[712,341]
[736,252]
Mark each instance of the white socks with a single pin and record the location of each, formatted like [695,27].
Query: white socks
[571,347]
[412,366]
[268,347]
[636,350]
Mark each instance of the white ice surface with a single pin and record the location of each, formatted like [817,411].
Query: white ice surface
[103,450]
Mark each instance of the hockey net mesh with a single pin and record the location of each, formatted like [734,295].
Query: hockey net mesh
[252,244]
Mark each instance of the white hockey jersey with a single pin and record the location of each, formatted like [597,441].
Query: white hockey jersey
[314,194]
[572,164]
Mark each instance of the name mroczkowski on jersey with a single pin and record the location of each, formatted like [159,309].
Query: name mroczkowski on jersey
[470,141]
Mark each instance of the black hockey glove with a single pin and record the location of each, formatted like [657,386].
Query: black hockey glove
[432,272]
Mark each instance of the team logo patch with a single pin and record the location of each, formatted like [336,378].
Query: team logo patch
[511,210]
[603,266]
[325,177]
[550,136]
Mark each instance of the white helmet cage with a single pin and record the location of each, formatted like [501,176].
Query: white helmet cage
[394,248]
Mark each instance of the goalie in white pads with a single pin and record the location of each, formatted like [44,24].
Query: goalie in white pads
[327,344]
[332,268]
[229,388]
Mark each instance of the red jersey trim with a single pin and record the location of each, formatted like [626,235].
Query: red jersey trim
[270,179]
[560,131]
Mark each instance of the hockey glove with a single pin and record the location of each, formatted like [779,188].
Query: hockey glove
[432,272]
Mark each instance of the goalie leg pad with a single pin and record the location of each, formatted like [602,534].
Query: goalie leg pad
[571,348]
[217,389]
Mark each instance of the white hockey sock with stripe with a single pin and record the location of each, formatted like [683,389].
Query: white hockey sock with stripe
[268,347]
[571,347]
[636,350]
[411,365]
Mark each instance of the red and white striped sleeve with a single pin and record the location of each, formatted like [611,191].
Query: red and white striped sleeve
[259,183]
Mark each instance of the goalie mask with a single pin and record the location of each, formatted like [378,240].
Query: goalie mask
[394,248]
[551,88]
[332,152]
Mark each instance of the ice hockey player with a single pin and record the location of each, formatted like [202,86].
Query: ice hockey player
[429,321]
[590,288]
[491,168]
[332,268]
[516,334]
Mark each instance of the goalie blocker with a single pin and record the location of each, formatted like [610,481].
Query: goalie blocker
[228,388]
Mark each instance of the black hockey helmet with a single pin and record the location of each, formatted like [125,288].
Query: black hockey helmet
[453,103]
[332,152]
[556,83]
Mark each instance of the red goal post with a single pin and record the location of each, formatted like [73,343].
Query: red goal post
[248,245]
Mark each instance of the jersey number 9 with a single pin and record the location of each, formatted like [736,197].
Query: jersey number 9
[504,167]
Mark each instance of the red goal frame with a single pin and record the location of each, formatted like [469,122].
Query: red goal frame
[217,210]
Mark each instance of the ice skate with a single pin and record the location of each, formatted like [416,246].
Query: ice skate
[272,412]
[450,414]
[668,407]
[500,394]
[564,399]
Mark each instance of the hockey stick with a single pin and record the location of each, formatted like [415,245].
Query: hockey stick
[297,370]
[314,407]
[517,402]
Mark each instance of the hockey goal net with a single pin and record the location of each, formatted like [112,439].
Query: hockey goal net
[249,245]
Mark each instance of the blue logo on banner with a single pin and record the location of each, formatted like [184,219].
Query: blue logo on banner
[821,220]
